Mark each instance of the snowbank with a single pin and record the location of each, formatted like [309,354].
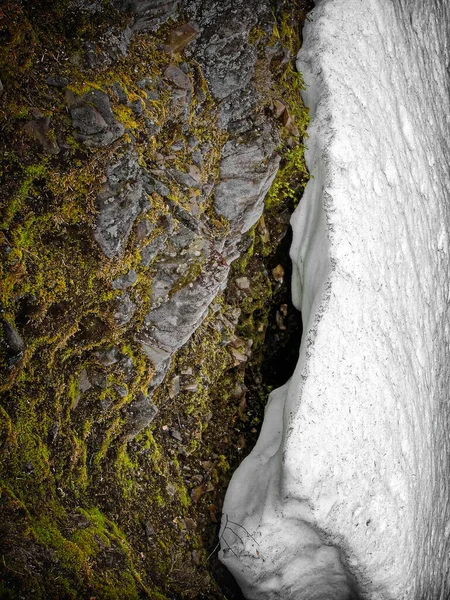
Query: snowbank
[350,474]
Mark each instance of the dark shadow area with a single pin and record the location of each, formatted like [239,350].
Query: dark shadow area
[284,330]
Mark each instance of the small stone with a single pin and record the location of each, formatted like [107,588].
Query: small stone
[88,120]
[176,434]
[84,385]
[185,179]
[125,309]
[108,356]
[126,365]
[239,357]
[105,404]
[144,83]
[177,77]
[278,273]
[149,529]
[175,387]
[137,107]
[121,390]
[243,284]
[190,387]
[144,229]
[177,146]
[99,379]
[2,89]
[93,119]
[58,82]
[139,414]
[14,343]
[197,158]
[152,95]
[120,92]
[180,37]
[125,281]
[195,173]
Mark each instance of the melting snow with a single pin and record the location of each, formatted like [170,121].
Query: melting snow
[348,485]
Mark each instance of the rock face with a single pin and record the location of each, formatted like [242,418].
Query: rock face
[139,140]
[247,166]
[346,492]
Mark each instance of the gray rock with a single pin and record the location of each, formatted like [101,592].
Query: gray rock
[120,201]
[139,414]
[246,174]
[121,390]
[15,345]
[93,119]
[169,326]
[87,120]
[56,81]
[150,14]
[145,83]
[152,95]
[151,128]
[144,229]
[183,237]
[125,281]
[2,88]
[151,250]
[108,357]
[98,378]
[137,106]
[120,92]
[236,112]
[127,368]
[243,283]
[161,189]
[184,179]
[105,404]
[84,384]
[125,309]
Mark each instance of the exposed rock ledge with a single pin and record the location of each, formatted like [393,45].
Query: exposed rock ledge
[354,451]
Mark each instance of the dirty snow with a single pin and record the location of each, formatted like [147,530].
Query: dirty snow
[346,493]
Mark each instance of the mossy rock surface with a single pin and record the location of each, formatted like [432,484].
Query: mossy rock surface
[94,503]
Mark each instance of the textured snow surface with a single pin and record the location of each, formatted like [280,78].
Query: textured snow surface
[346,494]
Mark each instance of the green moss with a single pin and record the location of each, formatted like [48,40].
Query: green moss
[30,174]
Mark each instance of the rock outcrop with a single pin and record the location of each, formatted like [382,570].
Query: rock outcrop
[139,142]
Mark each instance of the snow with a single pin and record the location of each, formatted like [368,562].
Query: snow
[346,493]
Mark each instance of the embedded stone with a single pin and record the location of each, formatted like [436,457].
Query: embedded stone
[125,281]
[139,414]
